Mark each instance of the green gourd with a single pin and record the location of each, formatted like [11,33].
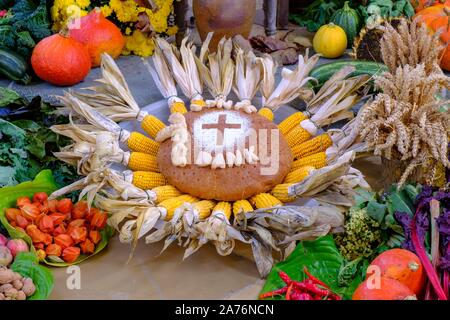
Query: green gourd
[349,20]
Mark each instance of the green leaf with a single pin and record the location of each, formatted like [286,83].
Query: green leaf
[7,176]
[27,264]
[36,147]
[27,125]
[362,196]
[396,201]
[7,36]
[24,39]
[376,211]
[8,195]
[8,97]
[321,258]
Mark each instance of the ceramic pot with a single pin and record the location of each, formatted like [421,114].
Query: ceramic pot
[224,17]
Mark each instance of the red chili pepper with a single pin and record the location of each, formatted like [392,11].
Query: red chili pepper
[314,279]
[303,296]
[289,291]
[285,277]
[312,288]
[273,293]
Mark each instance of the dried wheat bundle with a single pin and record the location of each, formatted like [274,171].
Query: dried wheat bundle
[291,81]
[412,84]
[411,44]
[406,122]
[247,77]
[184,70]
[217,71]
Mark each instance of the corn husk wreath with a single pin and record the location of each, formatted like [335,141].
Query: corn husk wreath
[139,199]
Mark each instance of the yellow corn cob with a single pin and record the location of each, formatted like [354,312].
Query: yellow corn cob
[204,208]
[317,160]
[314,145]
[152,125]
[140,161]
[298,175]
[147,180]
[173,203]
[242,206]
[297,136]
[290,122]
[266,113]
[281,192]
[165,192]
[140,143]
[178,107]
[264,200]
[201,103]
[224,208]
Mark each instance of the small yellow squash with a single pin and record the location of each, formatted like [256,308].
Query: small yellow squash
[330,40]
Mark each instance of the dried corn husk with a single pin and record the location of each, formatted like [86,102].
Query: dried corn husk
[162,77]
[291,81]
[247,77]
[275,229]
[111,97]
[217,71]
[184,70]
[334,100]
[133,219]
[322,178]
[76,132]
[347,139]
[98,121]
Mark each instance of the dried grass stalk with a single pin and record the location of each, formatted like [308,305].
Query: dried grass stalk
[411,44]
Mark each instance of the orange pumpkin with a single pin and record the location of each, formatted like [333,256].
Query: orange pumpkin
[436,18]
[99,35]
[422,4]
[60,60]
[401,265]
[388,289]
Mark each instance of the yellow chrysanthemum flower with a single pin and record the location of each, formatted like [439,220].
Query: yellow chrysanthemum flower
[106,10]
[126,11]
[139,44]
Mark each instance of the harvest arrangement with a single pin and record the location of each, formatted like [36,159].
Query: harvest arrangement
[225,167]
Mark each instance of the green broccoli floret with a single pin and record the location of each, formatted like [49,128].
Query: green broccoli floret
[361,236]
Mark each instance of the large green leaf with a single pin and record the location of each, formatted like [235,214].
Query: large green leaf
[8,195]
[322,259]
[27,264]
[8,96]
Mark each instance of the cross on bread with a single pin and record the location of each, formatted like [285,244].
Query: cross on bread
[221,125]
